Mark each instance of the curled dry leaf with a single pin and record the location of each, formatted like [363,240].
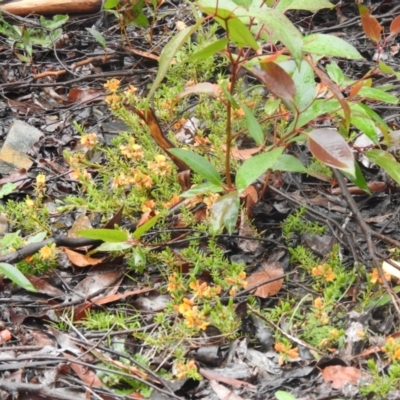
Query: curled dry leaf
[269,271]
[81,260]
[337,375]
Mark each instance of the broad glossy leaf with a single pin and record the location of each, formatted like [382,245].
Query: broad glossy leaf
[15,275]
[386,161]
[365,125]
[198,164]
[329,147]
[370,24]
[206,187]
[288,163]
[329,45]
[308,5]
[224,212]
[277,80]
[254,167]
[106,235]
[395,26]
[209,50]
[382,125]
[142,229]
[378,94]
[236,30]
[169,52]
[254,128]
[7,188]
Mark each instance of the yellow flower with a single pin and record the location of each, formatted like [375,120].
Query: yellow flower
[148,205]
[112,85]
[376,278]
[41,182]
[324,272]
[287,352]
[89,140]
[29,202]
[318,303]
[175,200]
[160,166]
[182,369]
[47,252]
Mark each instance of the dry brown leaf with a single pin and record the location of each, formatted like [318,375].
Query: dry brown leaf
[88,376]
[268,271]
[81,260]
[337,375]
[243,154]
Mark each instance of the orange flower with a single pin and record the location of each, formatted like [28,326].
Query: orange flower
[89,140]
[183,369]
[148,205]
[112,85]
[175,200]
[376,278]
[160,166]
[324,272]
[47,252]
[287,352]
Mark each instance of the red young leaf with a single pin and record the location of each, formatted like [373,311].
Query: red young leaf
[370,25]
[277,80]
[395,26]
[329,147]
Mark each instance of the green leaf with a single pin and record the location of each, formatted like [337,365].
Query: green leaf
[386,161]
[308,5]
[281,395]
[110,4]
[16,276]
[236,30]
[56,22]
[142,229]
[169,52]
[377,94]
[106,235]
[365,125]
[335,73]
[98,36]
[318,108]
[206,187]
[116,246]
[282,29]
[288,163]
[209,50]
[224,212]
[254,167]
[254,128]
[358,180]
[329,45]
[7,189]
[198,164]
[37,238]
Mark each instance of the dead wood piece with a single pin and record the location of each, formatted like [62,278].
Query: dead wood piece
[43,7]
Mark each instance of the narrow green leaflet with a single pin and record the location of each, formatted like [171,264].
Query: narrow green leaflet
[110,4]
[308,5]
[198,164]
[386,161]
[255,166]
[224,213]
[282,395]
[254,128]
[57,21]
[169,52]
[117,246]
[365,125]
[378,94]
[206,187]
[106,235]
[7,189]
[288,163]
[335,73]
[318,108]
[236,29]
[329,45]
[98,36]
[16,276]
[142,229]
[209,50]
[359,179]
[281,29]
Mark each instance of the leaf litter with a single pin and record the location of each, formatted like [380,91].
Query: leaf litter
[85,278]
